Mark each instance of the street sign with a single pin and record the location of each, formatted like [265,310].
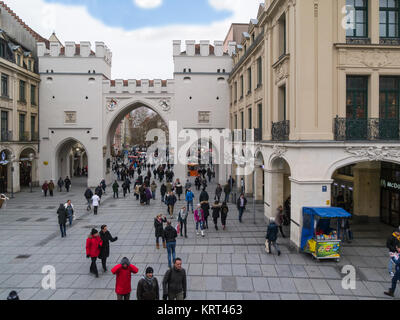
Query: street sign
[324,189]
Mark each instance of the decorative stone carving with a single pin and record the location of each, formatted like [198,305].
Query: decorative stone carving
[282,71]
[112,104]
[375,58]
[165,105]
[374,153]
[278,151]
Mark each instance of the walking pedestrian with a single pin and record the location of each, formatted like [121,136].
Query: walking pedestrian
[99,191]
[125,188]
[227,191]
[62,220]
[170,202]
[218,193]
[199,220]
[396,260]
[178,189]
[272,237]
[123,284]
[45,188]
[182,219]
[392,243]
[241,206]
[103,185]
[188,186]
[224,214]
[96,203]
[204,196]
[106,237]
[174,282]
[170,235]
[189,199]
[149,196]
[88,197]
[51,188]
[159,230]
[279,220]
[148,288]
[115,189]
[93,245]
[216,209]
[153,188]
[163,191]
[205,206]
[67,183]
[60,184]
[69,207]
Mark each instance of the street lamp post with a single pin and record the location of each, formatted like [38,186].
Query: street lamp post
[31,158]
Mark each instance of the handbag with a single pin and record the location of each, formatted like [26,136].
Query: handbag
[266,246]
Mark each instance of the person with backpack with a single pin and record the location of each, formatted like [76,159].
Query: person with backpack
[182,219]
[272,237]
[175,282]
[224,214]
[106,237]
[392,243]
[216,209]
[93,246]
[88,196]
[99,191]
[189,199]
[62,220]
[170,235]
[148,288]
[123,284]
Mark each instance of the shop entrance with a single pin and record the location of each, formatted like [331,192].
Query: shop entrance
[5,168]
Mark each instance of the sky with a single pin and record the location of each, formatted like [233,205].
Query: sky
[138,32]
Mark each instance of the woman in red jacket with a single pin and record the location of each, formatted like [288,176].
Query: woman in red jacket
[93,245]
[124,272]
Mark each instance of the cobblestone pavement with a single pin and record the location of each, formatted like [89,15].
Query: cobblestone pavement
[229,264]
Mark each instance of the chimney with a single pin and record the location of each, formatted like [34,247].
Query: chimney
[176,47]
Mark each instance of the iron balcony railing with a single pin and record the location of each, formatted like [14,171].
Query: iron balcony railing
[280,130]
[24,137]
[6,136]
[371,129]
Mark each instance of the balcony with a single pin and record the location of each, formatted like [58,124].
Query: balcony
[372,129]
[6,136]
[280,130]
[24,137]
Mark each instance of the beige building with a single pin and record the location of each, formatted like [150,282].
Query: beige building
[19,103]
[320,83]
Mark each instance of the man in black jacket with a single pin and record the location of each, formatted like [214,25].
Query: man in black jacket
[148,288]
[106,237]
[62,220]
[174,283]
[272,236]
[170,235]
[88,196]
[241,205]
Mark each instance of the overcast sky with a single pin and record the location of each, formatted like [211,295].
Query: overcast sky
[138,32]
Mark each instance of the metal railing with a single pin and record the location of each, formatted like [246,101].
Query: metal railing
[24,137]
[280,130]
[371,129]
[6,136]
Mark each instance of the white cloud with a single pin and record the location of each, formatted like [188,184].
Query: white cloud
[148,4]
[138,54]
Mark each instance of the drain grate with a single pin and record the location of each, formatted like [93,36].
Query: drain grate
[42,219]
[23,219]
[23,256]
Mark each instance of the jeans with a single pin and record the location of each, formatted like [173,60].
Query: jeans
[171,252]
[115,194]
[158,239]
[227,197]
[189,203]
[274,244]
[201,224]
[89,204]
[154,195]
[241,210]
[390,265]
[183,224]
[70,218]
[394,280]
[63,230]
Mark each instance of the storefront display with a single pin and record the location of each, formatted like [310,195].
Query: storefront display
[390,194]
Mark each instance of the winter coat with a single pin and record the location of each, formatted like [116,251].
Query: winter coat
[238,203]
[66,206]
[169,187]
[67,182]
[93,245]
[115,187]
[99,191]
[206,208]
[159,227]
[227,189]
[170,234]
[153,187]
[392,242]
[174,281]
[88,194]
[60,183]
[148,194]
[218,191]
[216,209]
[204,196]
[163,190]
[272,232]
[106,237]
[51,186]
[45,187]
[189,196]
[224,212]
[148,289]
[182,215]
[170,200]
[199,215]
[279,218]
[62,215]
[123,284]
[179,189]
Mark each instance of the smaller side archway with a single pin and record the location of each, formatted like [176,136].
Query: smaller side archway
[28,167]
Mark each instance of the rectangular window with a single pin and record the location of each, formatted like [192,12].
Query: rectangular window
[4,85]
[18,60]
[249,80]
[260,116]
[2,50]
[236,121]
[33,127]
[241,87]
[4,125]
[389,96]
[242,120]
[259,72]
[282,104]
[21,126]
[236,91]
[357,108]
[29,65]
[360,29]
[22,96]
[389,18]
[33,95]
[282,35]
[250,118]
